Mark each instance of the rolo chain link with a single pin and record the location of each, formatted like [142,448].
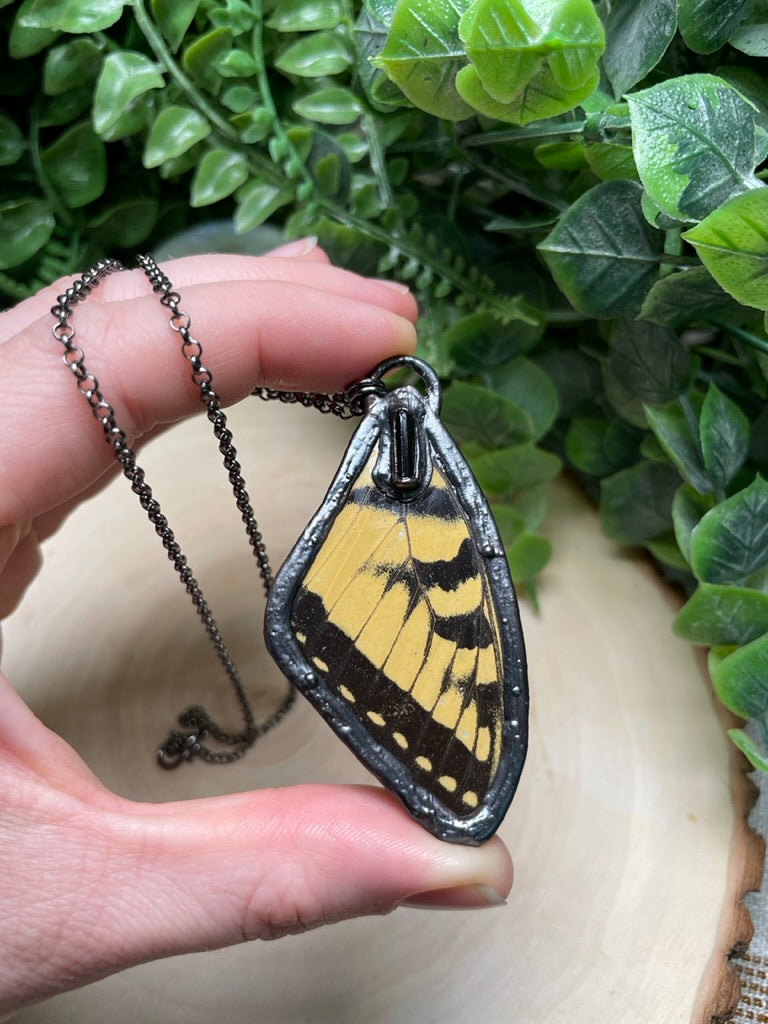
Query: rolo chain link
[197,723]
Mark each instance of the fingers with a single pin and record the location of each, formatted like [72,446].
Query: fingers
[291,323]
[96,883]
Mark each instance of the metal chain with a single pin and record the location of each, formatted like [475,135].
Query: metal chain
[183,746]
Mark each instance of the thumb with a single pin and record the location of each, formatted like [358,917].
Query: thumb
[95,883]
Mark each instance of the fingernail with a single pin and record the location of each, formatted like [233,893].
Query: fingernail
[462,897]
[292,249]
[396,286]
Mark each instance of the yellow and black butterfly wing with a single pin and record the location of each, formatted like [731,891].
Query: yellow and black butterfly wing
[397,619]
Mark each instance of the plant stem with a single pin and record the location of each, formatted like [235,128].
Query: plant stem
[746,336]
[539,131]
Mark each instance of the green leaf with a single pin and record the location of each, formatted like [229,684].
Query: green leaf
[176,129]
[650,362]
[741,679]
[751,36]
[603,254]
[315,55]
[688,508]
[506,471]
[70,65]
[472,413]
[610,162]
[306,15]
[730,542]
[173,18]
[125,76]
[479,341]
[636,503]
[126,223]
[25,41]
[530,389]
[257,202]
[684,297]
[332,105]
[12,142]
[732,243]
[423,54]
[749,749]
[527,556]
[706,25]
[219,174]
[724,436]
[201,58]
[76,165]
[678,434]
[25,227]
[508,42]
[694,143]
[717,614]
[638,35]
[601,447]
[71,15]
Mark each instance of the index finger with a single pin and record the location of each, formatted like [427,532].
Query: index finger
[284,323]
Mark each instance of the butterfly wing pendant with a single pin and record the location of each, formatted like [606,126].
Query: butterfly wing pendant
[396,617]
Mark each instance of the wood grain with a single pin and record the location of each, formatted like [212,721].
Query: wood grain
[628,842]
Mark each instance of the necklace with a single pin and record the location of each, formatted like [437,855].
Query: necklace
[394,615]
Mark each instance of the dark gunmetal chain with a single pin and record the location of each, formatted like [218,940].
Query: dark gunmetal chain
[183,746]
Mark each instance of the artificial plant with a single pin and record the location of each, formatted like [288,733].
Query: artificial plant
[575,191]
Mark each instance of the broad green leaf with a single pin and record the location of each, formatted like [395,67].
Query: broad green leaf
[694,143]
[603,254]
[636,503]
[684,297]
[70,65]
[706,25]
[524,383]
[752,86]
[749,749]
[306,15]
[239,97]
[649,361]
[315,55]
[257,202]
[479,341]
[219,174]
[730,543]
[527,556]
[423,53]
[506,471]
[125,76]
[507,42]
[176,129]
[126,223]
[638,35]
[71,15]
[600,447]
[732,243]
[510,523]
[174,18]
[751,36]
[25,226]
[370,37]
[12,142]
[741,679]
[717,614]
[472,413]
[576,377]
[610,162]
[541,97]
[202,56]
[666,551]
[76,165]
[724,436]
[25,41]
[688,508]
[331,105]
[677,433]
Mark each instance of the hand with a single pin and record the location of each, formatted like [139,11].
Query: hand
[91,883]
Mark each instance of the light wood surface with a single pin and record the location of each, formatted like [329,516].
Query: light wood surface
[622,830]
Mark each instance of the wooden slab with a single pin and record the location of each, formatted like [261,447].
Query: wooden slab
[627,870]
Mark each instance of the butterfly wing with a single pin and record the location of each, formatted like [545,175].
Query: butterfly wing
[393,617]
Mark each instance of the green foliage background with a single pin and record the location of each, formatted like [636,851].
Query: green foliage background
[575,191]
